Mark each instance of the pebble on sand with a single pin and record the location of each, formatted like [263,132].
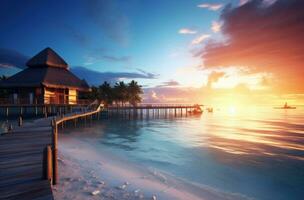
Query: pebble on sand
[122,187]
[96,192]
[101,182]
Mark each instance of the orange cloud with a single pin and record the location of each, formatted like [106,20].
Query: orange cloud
[264,38]
[214,77]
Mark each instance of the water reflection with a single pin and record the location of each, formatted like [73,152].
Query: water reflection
[258,153]
[243,135]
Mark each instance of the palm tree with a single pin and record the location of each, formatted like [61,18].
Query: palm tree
[134,92]
[106,93]
[94,94]
[120,92]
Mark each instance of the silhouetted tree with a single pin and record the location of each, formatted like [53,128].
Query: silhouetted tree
[120,92]
[134,92]
[106,93]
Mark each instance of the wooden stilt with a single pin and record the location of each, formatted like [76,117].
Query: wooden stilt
[20,121]
[48,164]
[55,153]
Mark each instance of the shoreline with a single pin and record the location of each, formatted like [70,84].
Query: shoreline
[89,172]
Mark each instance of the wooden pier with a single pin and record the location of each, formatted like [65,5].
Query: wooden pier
[156,110]
[28,157]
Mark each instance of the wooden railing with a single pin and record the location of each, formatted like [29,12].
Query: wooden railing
[26,101]
[153,105]
[52,159]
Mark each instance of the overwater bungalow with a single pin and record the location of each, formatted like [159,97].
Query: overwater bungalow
[47,80]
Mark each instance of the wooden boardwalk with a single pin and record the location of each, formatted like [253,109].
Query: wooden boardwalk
[22,174]
[27,169]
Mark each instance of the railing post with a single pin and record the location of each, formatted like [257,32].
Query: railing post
[55,152]
[6,111]
[45,112]
[48,164]
[20,121]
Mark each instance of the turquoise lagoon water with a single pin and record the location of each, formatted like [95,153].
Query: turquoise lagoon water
[256,152]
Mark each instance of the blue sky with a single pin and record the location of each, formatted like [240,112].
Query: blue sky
[110,35]
[179,50]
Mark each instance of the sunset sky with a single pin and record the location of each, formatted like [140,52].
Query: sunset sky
[214,52]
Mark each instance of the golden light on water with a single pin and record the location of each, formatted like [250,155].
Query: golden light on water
[249,130]
[231,110]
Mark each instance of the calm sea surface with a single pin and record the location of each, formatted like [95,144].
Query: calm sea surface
[257,152]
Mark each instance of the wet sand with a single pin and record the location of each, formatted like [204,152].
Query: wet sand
[88,172]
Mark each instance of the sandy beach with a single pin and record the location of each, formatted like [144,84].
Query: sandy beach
[87,172]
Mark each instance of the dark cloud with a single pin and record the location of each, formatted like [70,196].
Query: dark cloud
[96,78]
[116,58]
[105,54]
[148,74]
[171,83]
[11,58]
[264,38]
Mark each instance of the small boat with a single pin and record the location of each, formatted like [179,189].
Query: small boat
[196,111]
[285,107]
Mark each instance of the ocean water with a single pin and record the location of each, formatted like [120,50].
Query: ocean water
[257,152]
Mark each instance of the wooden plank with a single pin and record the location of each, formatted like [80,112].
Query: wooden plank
[39,189]
[21,165]
[17,153]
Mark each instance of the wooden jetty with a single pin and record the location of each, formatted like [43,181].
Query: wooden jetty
[28,157]
[142,110]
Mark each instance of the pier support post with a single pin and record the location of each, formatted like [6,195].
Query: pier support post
[55,152]
[48,164]
[20,122]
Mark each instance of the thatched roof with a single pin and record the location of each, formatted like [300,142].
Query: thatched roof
[47,68]
[47,57]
